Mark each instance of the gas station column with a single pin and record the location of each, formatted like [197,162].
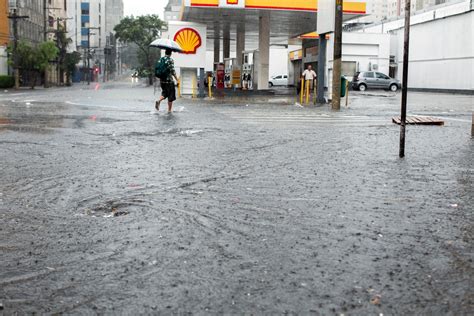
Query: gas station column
[264,51]
[321,68]
[240,46]
[226,41]
[217,44]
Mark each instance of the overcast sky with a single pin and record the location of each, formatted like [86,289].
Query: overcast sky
[143,7]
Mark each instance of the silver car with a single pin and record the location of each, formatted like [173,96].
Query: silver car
[372,79]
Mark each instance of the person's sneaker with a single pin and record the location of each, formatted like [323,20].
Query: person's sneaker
[157,105]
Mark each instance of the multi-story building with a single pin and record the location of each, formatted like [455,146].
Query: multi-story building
[90,26]
[396,8]
[31,29]
[4,36]
[56,12]
[56,23]
[172,10]
[378,10]
[113,14]
[86,24]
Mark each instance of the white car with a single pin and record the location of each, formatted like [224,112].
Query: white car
[279,80]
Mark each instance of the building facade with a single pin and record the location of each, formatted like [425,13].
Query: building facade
[434,64]
[172,10]
[396,8]
[113,14]
[4,37]
[56,12]
[90,26]
[32,29]
[86,23]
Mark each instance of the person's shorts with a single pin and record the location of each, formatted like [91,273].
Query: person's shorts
[168,91]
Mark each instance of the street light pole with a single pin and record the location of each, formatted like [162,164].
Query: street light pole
[406,53]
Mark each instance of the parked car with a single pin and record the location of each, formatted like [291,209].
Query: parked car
[372,79]
[280,80]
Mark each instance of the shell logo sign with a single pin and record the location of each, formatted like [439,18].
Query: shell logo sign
[232,1]
[189,40]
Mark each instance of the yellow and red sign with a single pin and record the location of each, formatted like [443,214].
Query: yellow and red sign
[296,54]
[189,40]
[349,6]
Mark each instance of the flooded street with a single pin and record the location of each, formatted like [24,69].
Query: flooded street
[233,207]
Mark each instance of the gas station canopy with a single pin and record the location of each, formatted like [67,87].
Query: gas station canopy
[288,18]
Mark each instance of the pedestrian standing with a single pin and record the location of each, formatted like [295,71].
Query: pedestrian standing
[309,75]
[166,72]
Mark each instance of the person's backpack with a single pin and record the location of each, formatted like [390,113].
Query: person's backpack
[161,69]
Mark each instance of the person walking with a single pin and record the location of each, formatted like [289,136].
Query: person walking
[166,72]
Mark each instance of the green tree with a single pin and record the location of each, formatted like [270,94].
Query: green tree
[34,60]
[46,52]
[69,64]
[141,31]
[62,42]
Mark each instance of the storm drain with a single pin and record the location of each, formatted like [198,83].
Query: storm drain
[115,208]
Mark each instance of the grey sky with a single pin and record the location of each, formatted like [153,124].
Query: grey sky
[143,7]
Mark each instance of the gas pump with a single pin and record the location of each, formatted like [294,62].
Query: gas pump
[228,72]
[248,69]
[232,73]
[220,76]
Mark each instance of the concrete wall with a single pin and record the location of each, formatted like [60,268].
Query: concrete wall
[441,47]
[441,54]
[4,36]
[369,51]
[3,61]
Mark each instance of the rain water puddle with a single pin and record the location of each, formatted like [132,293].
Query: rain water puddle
[171,131]
[114,207]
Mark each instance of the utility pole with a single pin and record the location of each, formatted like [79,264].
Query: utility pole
[105,65]
[58,44]
[336,68]
[45,38]
[45,34]
[45,22]
[89,52]
[15,17]
[88,56]
[472,125]
[406,53]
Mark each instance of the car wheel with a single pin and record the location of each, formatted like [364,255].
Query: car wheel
[393,88]
[362,87]
[270,84]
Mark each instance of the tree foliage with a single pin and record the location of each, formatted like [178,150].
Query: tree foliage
[33,59]
[63,42]
[46,52]
[69,64]
[141,31]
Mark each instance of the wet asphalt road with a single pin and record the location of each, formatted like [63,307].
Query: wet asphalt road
[245,207]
